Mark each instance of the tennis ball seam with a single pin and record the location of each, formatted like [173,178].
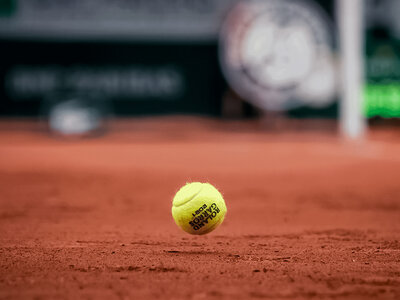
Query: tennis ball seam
[191,198]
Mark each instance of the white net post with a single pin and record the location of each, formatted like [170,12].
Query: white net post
[351,34]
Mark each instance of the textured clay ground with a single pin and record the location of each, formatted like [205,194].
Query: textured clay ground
[310,216]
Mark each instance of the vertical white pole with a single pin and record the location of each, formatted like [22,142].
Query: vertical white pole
[351,35]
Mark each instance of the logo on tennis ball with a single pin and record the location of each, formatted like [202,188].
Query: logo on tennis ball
[203,214]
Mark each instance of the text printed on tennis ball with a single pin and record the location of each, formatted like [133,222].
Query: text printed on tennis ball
[203,214]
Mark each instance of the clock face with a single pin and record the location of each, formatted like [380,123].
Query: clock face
[271,49]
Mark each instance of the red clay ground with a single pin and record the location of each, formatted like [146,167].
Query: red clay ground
[309,215]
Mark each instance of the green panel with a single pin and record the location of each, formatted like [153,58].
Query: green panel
[382,100]
[382,65]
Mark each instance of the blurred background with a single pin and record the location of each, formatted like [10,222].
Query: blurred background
[76,63]
[108,107]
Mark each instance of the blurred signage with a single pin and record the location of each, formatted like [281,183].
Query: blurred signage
[144,57]
[136,78]
[162,82]
[139,56]
[118,19]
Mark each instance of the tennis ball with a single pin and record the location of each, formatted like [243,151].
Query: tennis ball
[198,208]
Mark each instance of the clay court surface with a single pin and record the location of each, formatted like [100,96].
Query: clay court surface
[310,216]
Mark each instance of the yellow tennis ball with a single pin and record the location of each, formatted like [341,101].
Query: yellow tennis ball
[198,208]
